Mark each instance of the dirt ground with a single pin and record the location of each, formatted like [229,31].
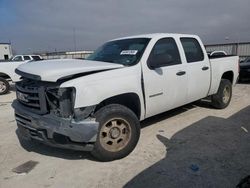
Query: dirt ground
[192,146]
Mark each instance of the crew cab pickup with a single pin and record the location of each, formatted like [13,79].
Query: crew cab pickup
[96,104]
[7,70]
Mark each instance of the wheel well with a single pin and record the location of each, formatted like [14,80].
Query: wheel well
[130,100]
[229,76]
[5,76]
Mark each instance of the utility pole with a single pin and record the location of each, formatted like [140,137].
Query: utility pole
[74,35]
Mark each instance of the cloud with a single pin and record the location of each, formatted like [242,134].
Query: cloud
[49,25]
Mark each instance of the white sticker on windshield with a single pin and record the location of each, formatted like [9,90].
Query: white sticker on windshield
[129,52]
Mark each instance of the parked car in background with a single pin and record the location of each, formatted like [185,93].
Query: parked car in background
[217,54]
[97,104]
[245,70]
[26,58]
[7,70]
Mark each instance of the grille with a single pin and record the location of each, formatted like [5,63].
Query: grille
[32,95]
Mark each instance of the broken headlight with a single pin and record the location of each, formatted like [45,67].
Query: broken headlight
[61,101]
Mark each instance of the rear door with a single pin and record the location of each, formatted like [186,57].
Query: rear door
[198,69]
[165,78]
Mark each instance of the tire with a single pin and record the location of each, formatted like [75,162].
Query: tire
[222,98]
[4,86]
[119,132]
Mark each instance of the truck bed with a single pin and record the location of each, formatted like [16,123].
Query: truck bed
[219,64]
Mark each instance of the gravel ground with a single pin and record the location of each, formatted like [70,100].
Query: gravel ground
[192,146]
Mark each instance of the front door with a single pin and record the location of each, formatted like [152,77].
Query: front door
[165,78]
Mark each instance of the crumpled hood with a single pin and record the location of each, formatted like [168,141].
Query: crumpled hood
[53,70]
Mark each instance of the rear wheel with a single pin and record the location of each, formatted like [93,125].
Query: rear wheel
[119,132]
[4,86]
[223,97]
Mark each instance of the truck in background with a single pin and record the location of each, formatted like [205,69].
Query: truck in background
[7,70]
[26,58]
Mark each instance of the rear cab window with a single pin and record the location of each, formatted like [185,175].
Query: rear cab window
[192,49]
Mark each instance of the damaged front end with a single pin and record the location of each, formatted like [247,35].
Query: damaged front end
[61,103]
[45,112]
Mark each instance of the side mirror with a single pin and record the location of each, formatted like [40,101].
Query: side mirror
[160,60]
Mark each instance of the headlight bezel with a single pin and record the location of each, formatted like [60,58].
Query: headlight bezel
[61,101]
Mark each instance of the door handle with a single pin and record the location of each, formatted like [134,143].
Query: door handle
[205,68]
[180,73]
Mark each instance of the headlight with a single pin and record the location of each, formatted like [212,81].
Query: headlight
[61,101]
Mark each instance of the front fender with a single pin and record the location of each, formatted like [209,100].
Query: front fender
[95,88]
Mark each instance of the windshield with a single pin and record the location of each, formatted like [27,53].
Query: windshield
[17,58]
[126,51]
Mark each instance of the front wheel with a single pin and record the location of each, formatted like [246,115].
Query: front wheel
[222,98]
[119,132]
[4,86]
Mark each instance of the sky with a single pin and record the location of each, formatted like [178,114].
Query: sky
[59,25]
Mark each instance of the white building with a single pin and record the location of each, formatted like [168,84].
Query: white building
[67,55]
[5,51]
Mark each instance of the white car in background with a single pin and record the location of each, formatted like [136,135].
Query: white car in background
[26,58]
[217,53]
[7,70]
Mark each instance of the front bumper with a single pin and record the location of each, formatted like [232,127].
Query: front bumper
[55,131]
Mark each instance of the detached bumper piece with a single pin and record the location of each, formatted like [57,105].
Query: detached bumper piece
[55,131]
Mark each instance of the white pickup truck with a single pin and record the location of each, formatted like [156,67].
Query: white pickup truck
[7,70]
[96,104]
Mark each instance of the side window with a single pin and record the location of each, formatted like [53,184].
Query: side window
[36,58]
[164,53]
[26,57]
[18,58]
[192,50]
